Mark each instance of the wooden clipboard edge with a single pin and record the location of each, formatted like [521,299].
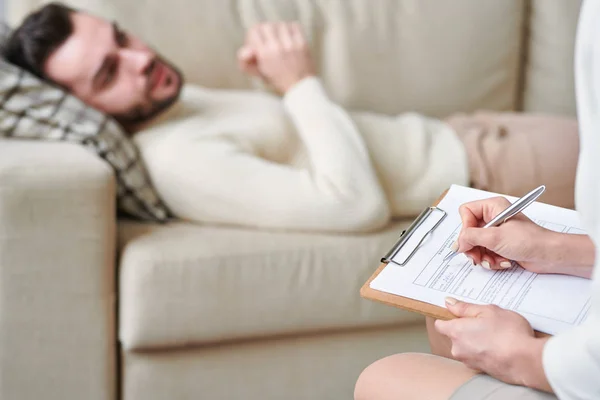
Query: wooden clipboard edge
[405,303]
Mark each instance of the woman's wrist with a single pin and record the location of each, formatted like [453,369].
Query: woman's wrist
[569,254]
[528,369]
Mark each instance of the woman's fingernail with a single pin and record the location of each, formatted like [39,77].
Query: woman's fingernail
[471,260]
[486,265]
[450,300]
[454,246]
[505,264]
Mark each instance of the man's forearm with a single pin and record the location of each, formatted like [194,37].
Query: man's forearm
[572,254]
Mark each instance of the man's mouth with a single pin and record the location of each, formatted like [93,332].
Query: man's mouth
[158,75]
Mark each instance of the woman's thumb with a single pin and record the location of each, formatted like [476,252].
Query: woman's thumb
[462,309]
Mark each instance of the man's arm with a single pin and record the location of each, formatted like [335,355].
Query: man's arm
[216,181]
[339,191]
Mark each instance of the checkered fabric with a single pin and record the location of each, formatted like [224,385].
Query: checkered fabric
[33,109]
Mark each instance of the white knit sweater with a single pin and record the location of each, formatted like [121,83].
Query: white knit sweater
[249,158]
[572,359]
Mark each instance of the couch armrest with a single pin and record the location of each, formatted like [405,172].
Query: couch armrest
[57,273]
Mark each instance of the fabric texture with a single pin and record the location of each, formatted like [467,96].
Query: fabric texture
[35,110]
[184,284]
[548,76]
[511,153]
[57,273]
[310,367]
[484,387]
[304,163]
[572,359]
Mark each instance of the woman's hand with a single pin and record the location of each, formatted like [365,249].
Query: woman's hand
[499,342]
[519,239]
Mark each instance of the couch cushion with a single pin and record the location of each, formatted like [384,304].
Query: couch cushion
[315,367]
[188,284]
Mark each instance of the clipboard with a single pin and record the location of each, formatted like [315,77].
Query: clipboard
[406,303]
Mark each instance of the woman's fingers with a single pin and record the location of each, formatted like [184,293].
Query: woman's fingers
[487,259]
[475,212]
[493,261]
[501,263]
[474,255]
[481,257]
[470,214]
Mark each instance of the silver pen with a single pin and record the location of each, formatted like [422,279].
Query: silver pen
[510,212]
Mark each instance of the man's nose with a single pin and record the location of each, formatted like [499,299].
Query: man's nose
[136,60]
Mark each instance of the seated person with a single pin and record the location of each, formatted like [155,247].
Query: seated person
[298,162]
[486,339]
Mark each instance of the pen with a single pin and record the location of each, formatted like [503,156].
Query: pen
[510,211]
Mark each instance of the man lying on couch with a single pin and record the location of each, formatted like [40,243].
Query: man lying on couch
[300,162]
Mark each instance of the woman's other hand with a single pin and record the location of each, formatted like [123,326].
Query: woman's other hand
[499,342]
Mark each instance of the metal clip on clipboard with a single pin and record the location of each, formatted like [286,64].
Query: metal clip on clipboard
[412,238]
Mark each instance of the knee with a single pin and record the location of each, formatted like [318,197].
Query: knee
[373,381]
[367,381]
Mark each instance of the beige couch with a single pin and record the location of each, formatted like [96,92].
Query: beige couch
[94,308]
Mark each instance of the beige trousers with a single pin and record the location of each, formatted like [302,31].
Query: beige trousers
[512,153]
[485,387]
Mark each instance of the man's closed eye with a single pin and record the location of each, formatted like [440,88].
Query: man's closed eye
[121,38]
[111,73]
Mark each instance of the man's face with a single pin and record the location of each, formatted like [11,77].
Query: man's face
[113,71]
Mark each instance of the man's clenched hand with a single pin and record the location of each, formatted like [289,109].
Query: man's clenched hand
[278,53]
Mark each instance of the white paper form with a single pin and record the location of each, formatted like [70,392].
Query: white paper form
[551,303]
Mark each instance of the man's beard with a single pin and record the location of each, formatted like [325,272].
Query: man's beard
[141,114]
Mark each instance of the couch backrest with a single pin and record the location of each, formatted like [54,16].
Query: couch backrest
[549,79]
[389,56]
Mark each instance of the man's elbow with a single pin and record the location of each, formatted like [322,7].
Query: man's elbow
[369,213]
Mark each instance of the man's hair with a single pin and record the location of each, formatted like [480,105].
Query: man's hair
[42,32]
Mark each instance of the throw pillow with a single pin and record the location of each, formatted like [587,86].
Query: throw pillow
[33,109]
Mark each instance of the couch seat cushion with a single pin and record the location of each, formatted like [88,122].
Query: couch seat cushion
[186,284]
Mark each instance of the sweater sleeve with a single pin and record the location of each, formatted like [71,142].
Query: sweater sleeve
[572,362]
[572,359]
[338,192]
